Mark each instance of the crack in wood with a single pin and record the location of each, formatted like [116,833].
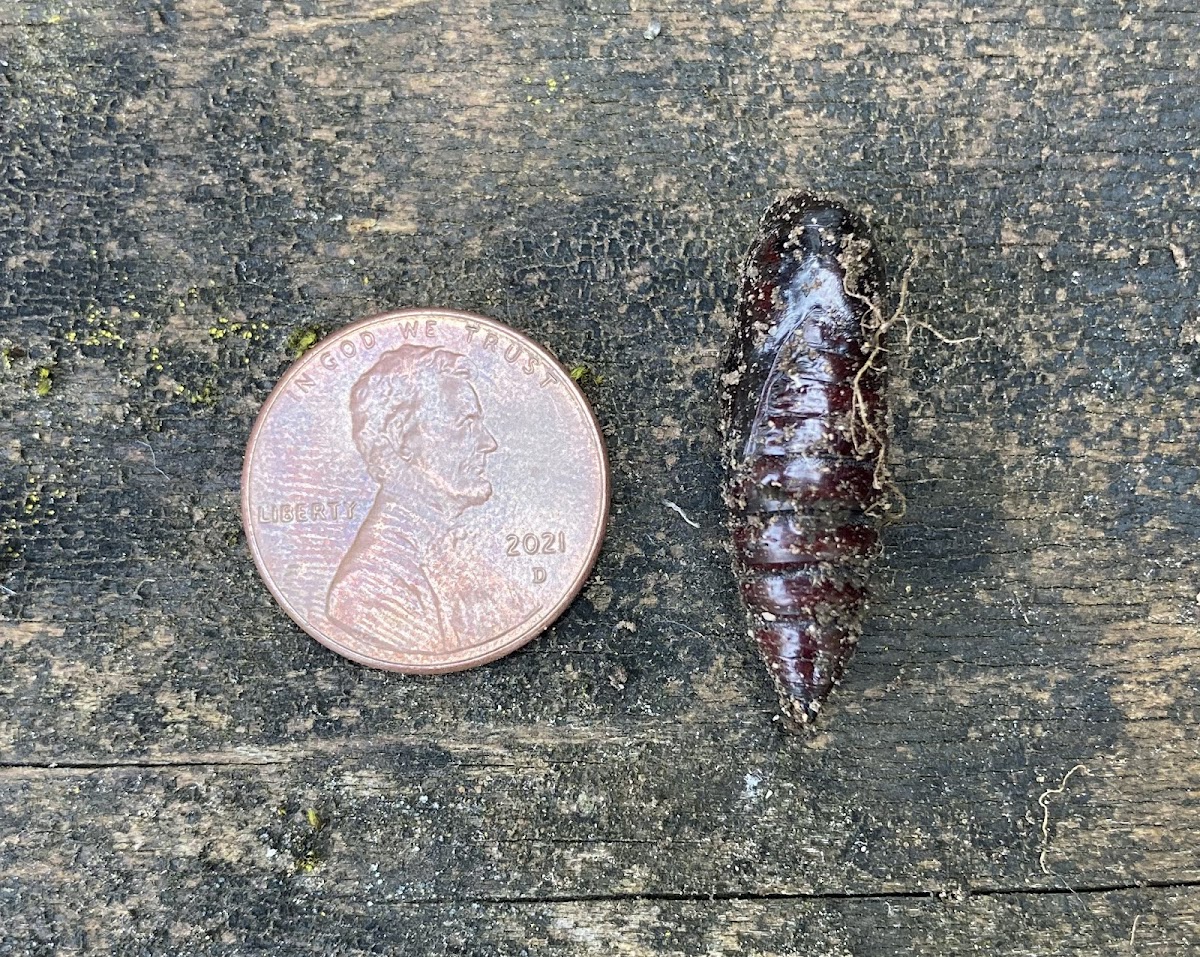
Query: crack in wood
[147,764]
[955,894]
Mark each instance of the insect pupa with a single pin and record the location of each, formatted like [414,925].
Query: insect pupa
[804,422]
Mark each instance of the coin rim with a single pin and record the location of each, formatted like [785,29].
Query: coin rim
[569,595]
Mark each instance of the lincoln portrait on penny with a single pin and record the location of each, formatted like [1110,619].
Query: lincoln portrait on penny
[419,426]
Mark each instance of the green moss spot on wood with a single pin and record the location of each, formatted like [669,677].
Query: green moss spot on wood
[303,339]
[582,374]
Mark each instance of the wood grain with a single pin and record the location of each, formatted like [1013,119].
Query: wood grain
[191,191]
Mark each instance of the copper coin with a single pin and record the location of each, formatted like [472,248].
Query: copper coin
[425,491]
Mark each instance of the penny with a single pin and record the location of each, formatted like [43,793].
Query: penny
[425,491]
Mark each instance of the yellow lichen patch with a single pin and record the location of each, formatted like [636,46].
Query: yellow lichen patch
[555,91]
[236,329]
[8,548]
[307,863]
[39,500]
[101,329]
[205,395]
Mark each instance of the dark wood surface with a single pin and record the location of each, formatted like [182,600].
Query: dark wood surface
[191,191]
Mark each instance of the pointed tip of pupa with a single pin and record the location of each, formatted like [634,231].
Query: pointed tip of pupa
[799,715]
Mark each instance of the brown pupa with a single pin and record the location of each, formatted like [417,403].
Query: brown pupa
[804,422]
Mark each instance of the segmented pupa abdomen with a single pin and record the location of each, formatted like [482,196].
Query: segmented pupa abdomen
[804,423]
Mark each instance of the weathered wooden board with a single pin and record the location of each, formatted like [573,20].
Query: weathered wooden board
[193,192]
